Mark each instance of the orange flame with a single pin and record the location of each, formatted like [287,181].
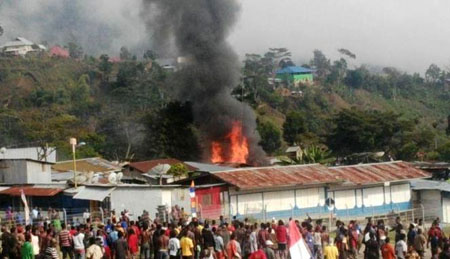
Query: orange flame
[237,150]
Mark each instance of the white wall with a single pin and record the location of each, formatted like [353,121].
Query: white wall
[308,198]
[250,203]
[136,199]
[29,153]
[344,199]
[400,193]
[373,196]
[24,172]
[39,172]
[281,200]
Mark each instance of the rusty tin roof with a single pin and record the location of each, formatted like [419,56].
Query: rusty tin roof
[378,172]
[278,176]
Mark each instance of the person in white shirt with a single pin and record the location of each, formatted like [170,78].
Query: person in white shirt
[401,248]
[35,241]
[174,245]
[86,215]
[79,244]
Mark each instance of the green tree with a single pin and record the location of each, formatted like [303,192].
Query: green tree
[105,66]
[178,169]
[125,54]
[270,137]
[171,133]
[444,152]
[321,63]
[433,73]
[293,127]
[358,131]
[315,154]
[75,51]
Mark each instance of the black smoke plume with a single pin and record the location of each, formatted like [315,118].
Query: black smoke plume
[197,30]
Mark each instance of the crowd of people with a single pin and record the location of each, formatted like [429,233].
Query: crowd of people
[177,236]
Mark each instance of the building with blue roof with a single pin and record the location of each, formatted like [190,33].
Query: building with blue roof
[295,75]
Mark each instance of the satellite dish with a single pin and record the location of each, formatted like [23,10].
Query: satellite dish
[3,150]
[112,178]
[95,178]
[160,169]
[119,176]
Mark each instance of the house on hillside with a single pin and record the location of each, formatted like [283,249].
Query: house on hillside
[21,47]
[295,75]
[298,190]
[294,153]
[58,51]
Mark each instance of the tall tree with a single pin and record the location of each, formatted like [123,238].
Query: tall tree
[75,51]
[433,73]
[171,133]
[270,137]
[321,63]
[293,127]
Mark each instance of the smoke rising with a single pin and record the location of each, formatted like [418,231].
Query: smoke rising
[197,30]
[100,26]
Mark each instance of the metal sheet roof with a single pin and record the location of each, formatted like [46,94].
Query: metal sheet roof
[31,191]
[94,164]
[93,193]
[204,167]
[378,172]
[278,176]
[146,166]
[420,184]
[294,69]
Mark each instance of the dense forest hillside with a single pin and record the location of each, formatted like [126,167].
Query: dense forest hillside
[125,110]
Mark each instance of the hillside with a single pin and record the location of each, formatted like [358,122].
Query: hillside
[125,110]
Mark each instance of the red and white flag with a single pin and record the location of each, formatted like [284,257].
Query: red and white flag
[297,245]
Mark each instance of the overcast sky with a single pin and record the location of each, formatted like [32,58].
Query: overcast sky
[408,34]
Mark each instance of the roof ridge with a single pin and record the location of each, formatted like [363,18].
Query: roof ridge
[368,164]
[268,167]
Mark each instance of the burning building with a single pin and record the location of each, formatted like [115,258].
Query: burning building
[198,29]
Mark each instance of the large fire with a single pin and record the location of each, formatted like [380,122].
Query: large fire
[233,149]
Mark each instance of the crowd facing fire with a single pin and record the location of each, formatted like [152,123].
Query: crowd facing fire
[177,235]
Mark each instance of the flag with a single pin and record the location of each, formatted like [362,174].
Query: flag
[297,245]
[193,203]
[26,209]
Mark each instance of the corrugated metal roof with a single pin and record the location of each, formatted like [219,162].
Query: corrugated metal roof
[94,164]
[31,191]
[294,69]
[420,184]
[378,172]
[146,166]
[208,167]
[278,176]
[93,193]
[19,41]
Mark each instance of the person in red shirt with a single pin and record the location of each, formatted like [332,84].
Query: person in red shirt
[133,243]
[387,250]
[263,236]
[259,254]
[282,238]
